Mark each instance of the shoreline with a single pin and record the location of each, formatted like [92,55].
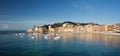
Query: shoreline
[106,33]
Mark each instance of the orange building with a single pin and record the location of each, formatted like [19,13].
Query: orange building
[110,27]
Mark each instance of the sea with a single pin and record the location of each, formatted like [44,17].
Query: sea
[21,43]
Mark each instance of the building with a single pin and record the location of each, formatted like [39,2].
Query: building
[71,27]
[41,30]
[89,28]
[30,30]
[102,28]
[98,28]
[50,29]
[118,27]
[110,28]
[36,28]
[68,25]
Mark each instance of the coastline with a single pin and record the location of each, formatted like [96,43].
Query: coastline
[106,33]
[72,27]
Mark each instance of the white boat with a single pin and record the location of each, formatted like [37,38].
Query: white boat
[23,33]
[20,33]
[32,37]
[46,37]
[57,37]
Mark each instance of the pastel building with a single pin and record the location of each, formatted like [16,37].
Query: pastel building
[36,28]
[110,28]
[79,29]
[67,27]
[118,27]
[30,30]
[41,29]
[98,28]
[50,29]
[89,28]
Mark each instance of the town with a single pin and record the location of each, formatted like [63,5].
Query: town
[69,26]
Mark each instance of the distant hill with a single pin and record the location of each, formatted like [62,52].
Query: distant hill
[58,24]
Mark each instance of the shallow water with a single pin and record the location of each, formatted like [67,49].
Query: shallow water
[65,44]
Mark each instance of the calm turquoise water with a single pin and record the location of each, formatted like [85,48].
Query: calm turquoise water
[65,44]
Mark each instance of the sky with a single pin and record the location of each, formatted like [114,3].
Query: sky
[23,14]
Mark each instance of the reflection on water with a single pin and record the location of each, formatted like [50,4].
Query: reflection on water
[88,38]
[35,36]
[59,44]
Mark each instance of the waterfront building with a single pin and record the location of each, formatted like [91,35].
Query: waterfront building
[71,27]
[41,29]
[89,28]
[110,28]
[50,29]
[79,28]
[68,30]
[118,27]
[30,30]
[36,29]
[96,28]
[102,28]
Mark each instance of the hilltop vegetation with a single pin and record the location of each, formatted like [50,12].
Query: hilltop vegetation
[58,24]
